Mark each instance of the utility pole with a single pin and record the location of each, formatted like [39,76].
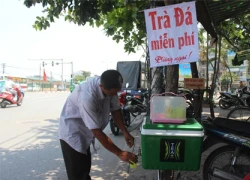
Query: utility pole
[50,80]
[62,75]
[71,81]
[72,74]
[40,75]
[3,68]
[53,64]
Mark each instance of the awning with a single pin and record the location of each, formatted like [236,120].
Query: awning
[240,57]
[220,10]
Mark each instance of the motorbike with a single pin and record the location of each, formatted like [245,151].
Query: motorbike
[232,160]
[137,103]
[131,105]
[189,96]
[227,100]
[7,98]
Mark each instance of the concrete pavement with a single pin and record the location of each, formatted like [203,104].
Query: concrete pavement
[124,172]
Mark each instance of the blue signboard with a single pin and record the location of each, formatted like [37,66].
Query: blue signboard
[184,71]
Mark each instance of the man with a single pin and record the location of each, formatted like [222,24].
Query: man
[241,85]
[11,87]
[16,92]
[84,116]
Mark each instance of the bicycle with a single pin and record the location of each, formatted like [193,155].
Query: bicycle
[241,113]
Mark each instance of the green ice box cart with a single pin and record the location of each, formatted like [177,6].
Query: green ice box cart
[171,146]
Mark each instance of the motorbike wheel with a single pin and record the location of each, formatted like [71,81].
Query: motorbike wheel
[114,129]
[126,118]
[165,174]
[4,104]
[134,114]
[223,104]
[221,159]
[21,101]
[240,113]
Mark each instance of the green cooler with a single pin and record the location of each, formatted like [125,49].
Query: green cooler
[171,146]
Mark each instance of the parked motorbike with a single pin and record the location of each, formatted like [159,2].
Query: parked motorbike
[131,105]
[189,96]
[7,98]
[137,104]
[230,161]
[126,115]
[241,98]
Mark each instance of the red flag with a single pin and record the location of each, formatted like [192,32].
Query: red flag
[44,75]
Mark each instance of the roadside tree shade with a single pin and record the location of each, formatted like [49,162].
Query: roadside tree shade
[44,75]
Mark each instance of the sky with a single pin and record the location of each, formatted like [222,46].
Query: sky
[22,48]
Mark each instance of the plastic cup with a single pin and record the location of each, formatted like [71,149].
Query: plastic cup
[132,165]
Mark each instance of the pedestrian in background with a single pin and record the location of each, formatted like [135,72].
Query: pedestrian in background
[241,85]
[84,116]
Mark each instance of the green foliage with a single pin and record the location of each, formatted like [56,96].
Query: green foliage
[82,77]
[236,32]
[123,20]
[226,76]
[79,78]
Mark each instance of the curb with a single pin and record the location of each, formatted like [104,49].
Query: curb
[54,91]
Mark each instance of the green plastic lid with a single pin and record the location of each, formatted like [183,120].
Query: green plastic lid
[190,124]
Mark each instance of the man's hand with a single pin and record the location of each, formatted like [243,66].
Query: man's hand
[128,156]
[129,139]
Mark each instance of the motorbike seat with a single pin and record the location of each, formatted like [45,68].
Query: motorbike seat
[234,95]
[234,125]
[7,92]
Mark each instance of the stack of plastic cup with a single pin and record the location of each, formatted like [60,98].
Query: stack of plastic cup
[132,165]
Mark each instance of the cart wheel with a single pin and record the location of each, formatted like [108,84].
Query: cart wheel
[113,127]
[165,175]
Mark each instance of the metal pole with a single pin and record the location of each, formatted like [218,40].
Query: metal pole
[3,68]
[50,80]
[71,74]
[62,75]
[40,74]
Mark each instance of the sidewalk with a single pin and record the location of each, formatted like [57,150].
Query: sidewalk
[124,172]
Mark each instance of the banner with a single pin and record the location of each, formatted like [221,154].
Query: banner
[172,34]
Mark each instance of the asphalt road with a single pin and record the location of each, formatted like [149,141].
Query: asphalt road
[29,147]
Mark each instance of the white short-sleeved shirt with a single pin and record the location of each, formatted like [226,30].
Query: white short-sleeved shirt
[86,108]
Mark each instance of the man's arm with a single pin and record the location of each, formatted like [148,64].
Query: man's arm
[106,141]
[109,145]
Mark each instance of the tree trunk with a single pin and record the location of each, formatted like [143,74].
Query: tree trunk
[207,74]
[171,72]
[156,73]
[157,80]
[198,98]
[211,92]
[172,78]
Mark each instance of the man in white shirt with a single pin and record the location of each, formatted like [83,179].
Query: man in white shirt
[84,116]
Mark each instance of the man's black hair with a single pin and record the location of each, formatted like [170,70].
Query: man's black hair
[111,79]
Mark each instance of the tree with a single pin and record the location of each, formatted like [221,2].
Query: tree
[82,77]
[236,32]
[226,77]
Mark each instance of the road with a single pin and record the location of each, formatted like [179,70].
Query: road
[29,146]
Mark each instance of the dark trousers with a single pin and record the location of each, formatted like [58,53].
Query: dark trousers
[77,164]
